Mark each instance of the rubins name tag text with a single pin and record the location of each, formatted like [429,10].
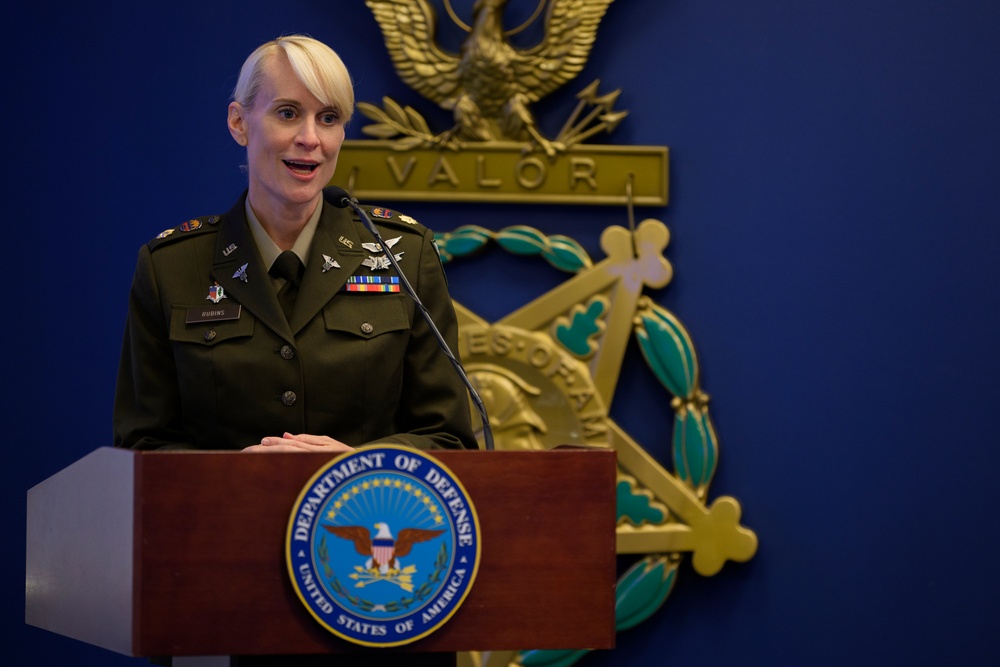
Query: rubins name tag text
[213,313]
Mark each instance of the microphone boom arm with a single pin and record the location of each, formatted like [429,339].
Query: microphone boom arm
[342,198]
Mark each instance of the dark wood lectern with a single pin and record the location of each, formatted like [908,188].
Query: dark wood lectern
[182,553]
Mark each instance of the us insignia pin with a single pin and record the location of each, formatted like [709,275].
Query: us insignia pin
[216,293]
[329,263]
[347,242]
[229,250]
[241,273]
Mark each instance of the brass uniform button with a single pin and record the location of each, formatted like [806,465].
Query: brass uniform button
[210,335]
[367,328]
[289,398]
[287,352]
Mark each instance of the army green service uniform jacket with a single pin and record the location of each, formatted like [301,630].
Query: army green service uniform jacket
[209,360]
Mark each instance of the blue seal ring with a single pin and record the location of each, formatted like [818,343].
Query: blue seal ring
[383,545]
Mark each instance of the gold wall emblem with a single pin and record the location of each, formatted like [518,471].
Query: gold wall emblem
[496,151]
[547,373]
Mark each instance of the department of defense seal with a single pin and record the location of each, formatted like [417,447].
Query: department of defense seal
[383,545]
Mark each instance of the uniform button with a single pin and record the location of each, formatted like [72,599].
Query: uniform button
[210,334]
[288,398]
[367,328]
[287,352]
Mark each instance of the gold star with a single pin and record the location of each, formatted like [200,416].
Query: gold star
[376,483]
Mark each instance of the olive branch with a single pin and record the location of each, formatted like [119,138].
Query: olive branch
[421,593]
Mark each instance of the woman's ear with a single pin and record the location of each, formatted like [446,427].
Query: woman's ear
[237,123]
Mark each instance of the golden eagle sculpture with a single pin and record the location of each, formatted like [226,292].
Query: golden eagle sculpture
[489,85]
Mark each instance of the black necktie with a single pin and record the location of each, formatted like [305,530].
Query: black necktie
[289,267]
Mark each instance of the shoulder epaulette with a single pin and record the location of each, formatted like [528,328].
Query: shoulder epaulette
[192,227]
[382,216]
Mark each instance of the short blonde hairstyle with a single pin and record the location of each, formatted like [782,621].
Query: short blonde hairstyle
[318,67]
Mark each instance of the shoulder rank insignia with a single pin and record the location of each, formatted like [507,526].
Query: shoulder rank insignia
[165,233]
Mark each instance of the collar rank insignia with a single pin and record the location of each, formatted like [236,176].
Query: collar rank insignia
[216,293]
[241,273]
[371,284]
[383,545]
[329,263]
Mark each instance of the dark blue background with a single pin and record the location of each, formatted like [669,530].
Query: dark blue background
[834,238]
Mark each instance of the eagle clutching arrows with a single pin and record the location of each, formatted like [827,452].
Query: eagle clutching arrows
[383,550]
[489,85]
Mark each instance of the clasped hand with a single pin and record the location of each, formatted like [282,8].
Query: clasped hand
[302,442]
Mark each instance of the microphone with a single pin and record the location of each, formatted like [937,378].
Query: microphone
[339,197]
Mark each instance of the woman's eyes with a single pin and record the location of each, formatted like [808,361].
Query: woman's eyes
[326,118]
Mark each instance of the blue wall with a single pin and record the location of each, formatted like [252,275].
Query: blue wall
[834,237]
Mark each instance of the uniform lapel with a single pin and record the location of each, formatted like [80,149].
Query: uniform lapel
[236,257]
[337,239]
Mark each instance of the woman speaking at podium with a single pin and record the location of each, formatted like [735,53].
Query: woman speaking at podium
[279,326]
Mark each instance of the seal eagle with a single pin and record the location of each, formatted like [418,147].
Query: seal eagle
[383,550]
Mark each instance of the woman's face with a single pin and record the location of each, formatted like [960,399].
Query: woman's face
[292,141]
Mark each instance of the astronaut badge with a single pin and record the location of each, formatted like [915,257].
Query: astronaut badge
[383,545]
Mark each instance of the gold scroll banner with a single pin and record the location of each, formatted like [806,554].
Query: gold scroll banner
[503,172]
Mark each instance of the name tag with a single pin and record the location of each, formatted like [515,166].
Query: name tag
[213,314]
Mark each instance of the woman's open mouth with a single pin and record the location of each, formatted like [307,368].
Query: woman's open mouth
[301,167]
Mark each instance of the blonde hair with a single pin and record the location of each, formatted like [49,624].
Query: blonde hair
[318,67]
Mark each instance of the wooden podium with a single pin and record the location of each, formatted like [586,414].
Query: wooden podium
[182,554]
